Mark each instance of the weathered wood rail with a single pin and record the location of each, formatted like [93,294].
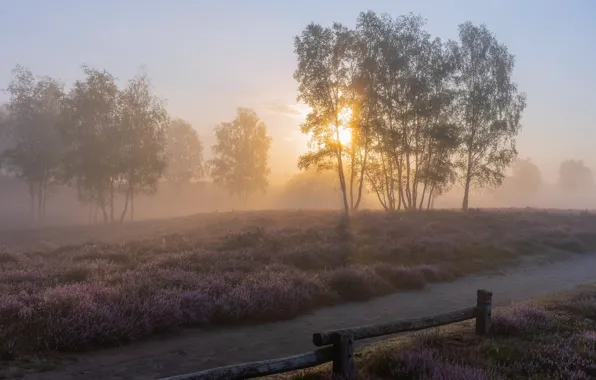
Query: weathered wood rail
[338,345]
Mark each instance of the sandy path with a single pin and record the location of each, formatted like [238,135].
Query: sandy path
[194,350]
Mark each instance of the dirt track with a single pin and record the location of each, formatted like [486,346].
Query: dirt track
[194,350]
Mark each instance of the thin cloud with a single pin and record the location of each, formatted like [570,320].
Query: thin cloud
[294,111]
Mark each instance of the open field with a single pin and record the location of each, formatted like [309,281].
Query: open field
[58,293]
[548,338]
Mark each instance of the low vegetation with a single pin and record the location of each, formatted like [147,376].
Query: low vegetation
[550,338]
[247,267]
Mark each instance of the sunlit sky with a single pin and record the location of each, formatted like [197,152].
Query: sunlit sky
[209,57]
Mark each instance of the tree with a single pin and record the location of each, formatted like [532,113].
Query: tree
[438,170]
[411,101]
[184,153]
[524,183]
[142,122]
[241,155]
[5,142]
[575,176]
[490,108]
[326,74]
[91,132]
[526,177]
[34,145]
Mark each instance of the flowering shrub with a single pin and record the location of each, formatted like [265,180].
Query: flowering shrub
[522,319]
[236,268]
[423,363]
[401,277]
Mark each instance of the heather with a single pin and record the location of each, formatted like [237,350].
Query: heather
[549,338]
[79,288]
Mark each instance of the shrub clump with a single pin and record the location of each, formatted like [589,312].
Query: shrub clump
[424,363]
[523,319]
[356,283]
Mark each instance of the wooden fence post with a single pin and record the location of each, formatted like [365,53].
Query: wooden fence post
[484,300]
[343,357]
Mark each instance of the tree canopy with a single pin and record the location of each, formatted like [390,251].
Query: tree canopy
[241,155]
[184,152]
[31,120]
[575,176]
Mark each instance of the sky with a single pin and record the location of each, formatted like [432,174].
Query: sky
[206,58]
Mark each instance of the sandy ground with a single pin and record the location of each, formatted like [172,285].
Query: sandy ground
[194,350]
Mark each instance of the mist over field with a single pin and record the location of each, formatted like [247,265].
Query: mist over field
[309,190]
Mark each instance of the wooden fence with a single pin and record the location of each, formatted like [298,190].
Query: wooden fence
[338,345]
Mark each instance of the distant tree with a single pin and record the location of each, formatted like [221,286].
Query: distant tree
[91,132]
[34,148]
[490,108]
[184,153]
[142,121]
[241,151]
[4,135]
[526,177]
[575,176]
[524,183]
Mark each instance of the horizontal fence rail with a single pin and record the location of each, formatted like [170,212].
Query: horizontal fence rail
[340,345]
[365,332]
[262,368]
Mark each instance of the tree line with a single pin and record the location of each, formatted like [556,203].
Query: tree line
[421,113]
[107,142]
[525,181]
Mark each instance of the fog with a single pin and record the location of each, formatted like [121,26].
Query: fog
[301,190]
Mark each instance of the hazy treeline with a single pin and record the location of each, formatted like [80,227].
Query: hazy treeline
[108,141]
[422,113]
[573,188]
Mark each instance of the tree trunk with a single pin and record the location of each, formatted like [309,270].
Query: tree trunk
[400,181]
[464,205]
[465,201]
[39,199]
[431,196]
[32,199]
[125,206]
[105,214]
[361,181]
[423,194]
[352,176]
[428,163]
[45,198]
[340,166]
[132,204]
[112,200]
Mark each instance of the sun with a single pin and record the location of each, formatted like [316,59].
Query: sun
[345,132]
[345,136]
